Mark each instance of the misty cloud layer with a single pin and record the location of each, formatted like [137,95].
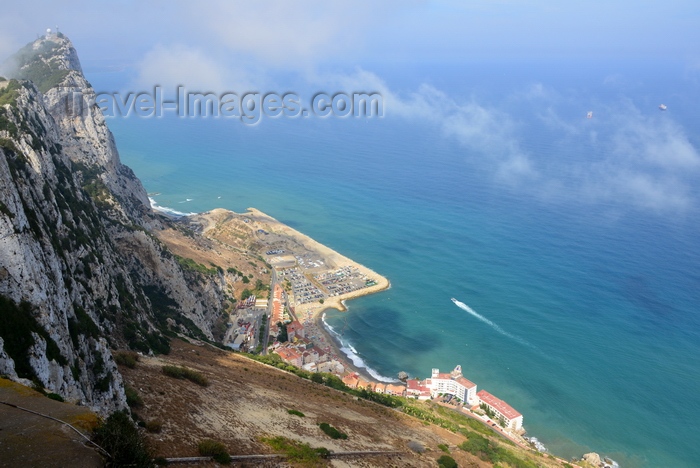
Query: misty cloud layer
[643,160]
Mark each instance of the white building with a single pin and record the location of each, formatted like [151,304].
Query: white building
[331,367]
[502,410]
[453,384]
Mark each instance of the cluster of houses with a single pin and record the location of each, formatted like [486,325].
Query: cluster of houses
[243,333]
[278,312]
[247,303]
[353,380]
[444,384]
[302,352]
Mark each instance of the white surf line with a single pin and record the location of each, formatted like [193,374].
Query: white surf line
[165,209]
[352,354]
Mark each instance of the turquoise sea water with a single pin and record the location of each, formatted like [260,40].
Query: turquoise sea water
[591,326]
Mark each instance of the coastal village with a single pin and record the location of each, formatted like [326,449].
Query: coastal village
[277,308]
[308,278]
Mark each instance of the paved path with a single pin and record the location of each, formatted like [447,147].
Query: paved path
[237,458]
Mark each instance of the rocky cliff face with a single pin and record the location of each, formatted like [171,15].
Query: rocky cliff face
[80,272]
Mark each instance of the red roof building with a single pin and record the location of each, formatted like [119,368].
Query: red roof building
[512,418]
[369,386]
[351,380]
[290,355]
[396,390]
[417,389]
[295,329]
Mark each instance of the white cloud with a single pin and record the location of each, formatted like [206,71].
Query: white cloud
[637,159]
[488,134]
[538,91]
[550,117]
[640,160]
[651,162]
[193,68]
[656,193]
[658,141]
[170,66]
[287,34]
[516,168]
[632,187]
[7,45]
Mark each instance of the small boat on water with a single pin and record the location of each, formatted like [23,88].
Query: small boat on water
[589,115]
[663,107]
[453,300]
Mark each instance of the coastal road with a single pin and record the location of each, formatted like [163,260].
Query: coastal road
[496,429]
[266,338]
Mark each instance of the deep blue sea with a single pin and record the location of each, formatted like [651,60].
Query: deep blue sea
[586,275]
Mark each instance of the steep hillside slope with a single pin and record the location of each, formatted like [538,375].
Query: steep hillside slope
[246,402]
[28,439]
[79,270]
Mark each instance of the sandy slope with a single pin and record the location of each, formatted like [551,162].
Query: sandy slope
[30,440]
[246,400]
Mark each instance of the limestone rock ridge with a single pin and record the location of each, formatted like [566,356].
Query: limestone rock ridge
[80,271]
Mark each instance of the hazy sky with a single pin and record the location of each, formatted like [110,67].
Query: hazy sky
[308,32]
[235,45]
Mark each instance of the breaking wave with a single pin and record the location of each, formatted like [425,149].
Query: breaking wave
[166,210]
[351,354]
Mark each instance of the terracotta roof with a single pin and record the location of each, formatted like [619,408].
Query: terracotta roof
[412,384]
[351,379]
[416,385]
[288,354]
[504,408]
[398,389]
[276,312]
[464,382]
[366,385]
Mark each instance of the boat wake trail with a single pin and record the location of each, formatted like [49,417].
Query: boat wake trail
[488,322]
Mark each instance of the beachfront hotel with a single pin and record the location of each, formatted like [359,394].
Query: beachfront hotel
[453,384]
[502,411]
